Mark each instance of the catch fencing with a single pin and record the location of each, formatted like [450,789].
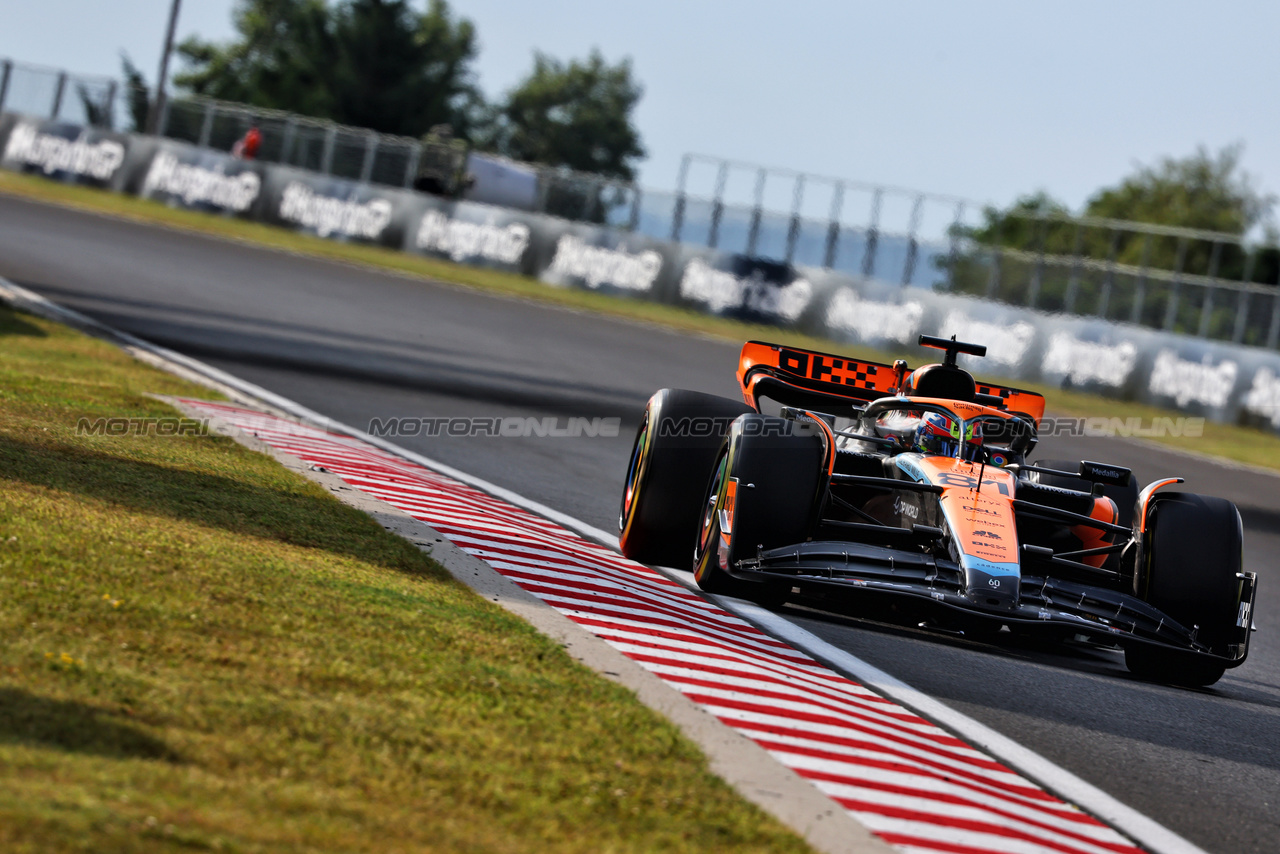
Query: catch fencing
[1221,381]
[317,145]
[1206,284]
[1209,285]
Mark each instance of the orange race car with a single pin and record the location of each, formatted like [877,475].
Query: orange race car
[839,476]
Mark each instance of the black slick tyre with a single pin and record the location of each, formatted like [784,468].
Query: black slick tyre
[676,444]
[1191,560]
[762,494]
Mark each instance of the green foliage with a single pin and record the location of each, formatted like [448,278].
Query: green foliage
[138,94]
[1203,191]
[370,63]
[383,65]
[576,115]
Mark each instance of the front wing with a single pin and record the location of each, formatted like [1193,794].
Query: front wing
[1099,612]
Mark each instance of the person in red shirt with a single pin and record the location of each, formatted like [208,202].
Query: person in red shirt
[246,147]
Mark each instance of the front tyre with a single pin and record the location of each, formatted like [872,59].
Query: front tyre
[1192,557]
[762,494]
[679,435]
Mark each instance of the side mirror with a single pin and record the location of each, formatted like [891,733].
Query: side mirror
[1105,474]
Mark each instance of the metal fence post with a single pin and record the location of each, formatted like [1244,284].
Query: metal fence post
[411,165]
[717,204]
[873,235]
[833,227]
[545,177]
[1242,299]
[953,255]
[590,195]
[326,155]
[370,152]
[1273,334]
[1140,289]
[793,229]
[206,125]
[634,224]
[162,126]
[1104,299]
[109,105]
[1171,308]
[1073,281]
[913,246]
[677,216]
[286,145]
[757,212]
[997,263]
[1206,307]
[997,260]
[1037,272]
[57,95]
[4,81]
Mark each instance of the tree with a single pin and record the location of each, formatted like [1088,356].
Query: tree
[576,115]
[1030,222]
[137,93]
[370,63]
[400,72]
[1202,191]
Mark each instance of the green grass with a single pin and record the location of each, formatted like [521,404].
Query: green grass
[1231,442]
[205,651]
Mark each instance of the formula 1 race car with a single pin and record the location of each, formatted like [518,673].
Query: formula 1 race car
[910,489]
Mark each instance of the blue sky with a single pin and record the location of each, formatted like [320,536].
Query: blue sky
[982,100]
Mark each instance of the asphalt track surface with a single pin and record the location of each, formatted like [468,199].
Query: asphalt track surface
[357,345]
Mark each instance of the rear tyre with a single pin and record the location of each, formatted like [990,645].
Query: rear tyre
[765,485]
[675,447]
[1193,552]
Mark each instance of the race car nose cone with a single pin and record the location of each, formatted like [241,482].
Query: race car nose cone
[991,585]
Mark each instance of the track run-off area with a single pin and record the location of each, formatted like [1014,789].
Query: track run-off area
[355,345]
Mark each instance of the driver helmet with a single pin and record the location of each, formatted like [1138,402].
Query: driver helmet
[938,434]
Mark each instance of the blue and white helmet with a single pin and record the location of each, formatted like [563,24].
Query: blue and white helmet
[938,434]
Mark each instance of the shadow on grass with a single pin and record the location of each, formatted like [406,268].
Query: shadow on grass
[69,725]
[236,506]
[12,323]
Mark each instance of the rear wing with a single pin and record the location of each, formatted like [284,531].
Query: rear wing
[807,378]
[793,374]
[1017,401]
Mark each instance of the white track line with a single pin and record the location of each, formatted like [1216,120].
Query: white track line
[1139,827]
